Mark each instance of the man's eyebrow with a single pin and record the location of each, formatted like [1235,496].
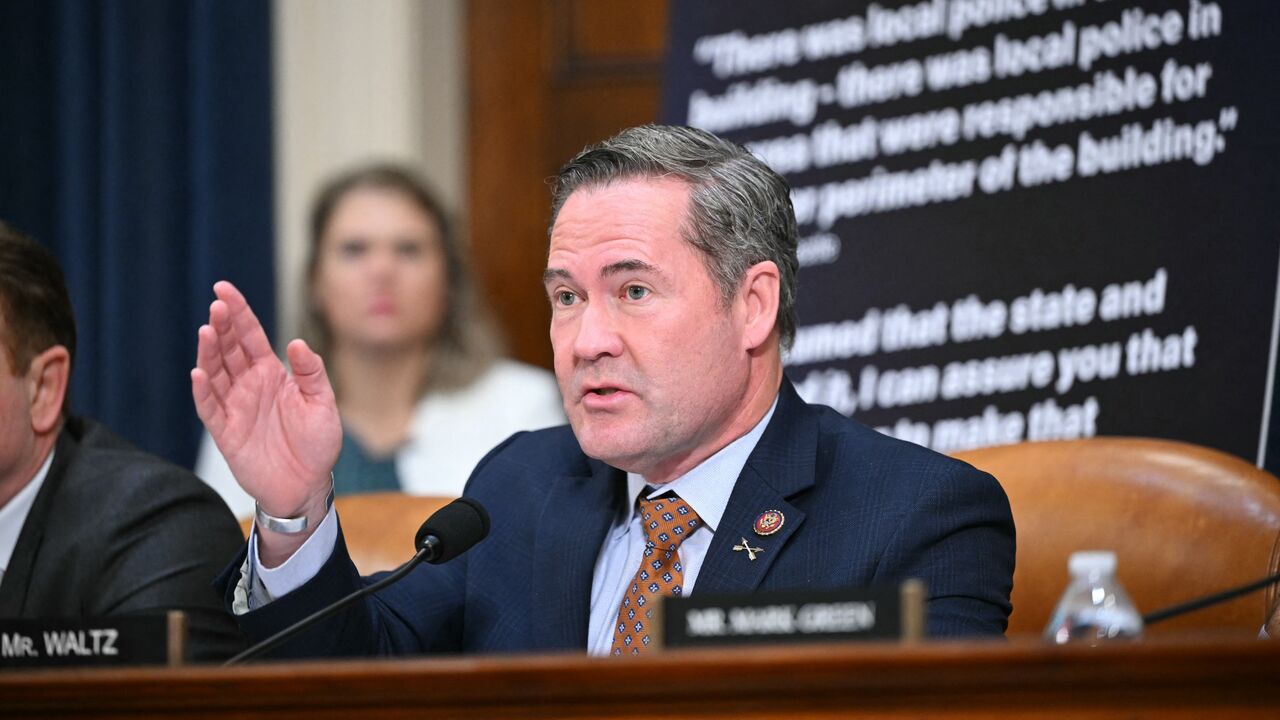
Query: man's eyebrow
[621,266]
[555,274]
[629,265]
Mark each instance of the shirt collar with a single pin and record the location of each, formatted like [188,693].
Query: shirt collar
[707,487]
[14,514]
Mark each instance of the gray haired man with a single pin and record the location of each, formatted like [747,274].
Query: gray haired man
[671,274]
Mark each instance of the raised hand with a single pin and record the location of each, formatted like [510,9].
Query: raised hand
[279,432]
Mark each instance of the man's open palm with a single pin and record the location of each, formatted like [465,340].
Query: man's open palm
[279,432]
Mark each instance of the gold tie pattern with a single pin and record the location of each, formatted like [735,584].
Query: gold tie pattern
[666,521]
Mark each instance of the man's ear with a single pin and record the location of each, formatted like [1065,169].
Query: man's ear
[761,290]
[47,380]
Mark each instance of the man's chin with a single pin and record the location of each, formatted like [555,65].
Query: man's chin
[619,452]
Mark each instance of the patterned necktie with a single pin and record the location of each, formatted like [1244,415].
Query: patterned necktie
[666,521]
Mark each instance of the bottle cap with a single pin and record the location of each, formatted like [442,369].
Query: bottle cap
[1083,563]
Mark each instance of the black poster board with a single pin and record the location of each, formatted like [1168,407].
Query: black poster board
[1031,219]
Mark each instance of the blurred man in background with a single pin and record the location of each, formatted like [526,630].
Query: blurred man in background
[90,526]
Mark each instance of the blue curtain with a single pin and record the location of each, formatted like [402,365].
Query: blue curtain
[135,141]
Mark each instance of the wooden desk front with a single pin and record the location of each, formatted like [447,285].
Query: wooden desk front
[1169,680]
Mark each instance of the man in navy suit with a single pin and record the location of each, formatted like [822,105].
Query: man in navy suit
[690,463]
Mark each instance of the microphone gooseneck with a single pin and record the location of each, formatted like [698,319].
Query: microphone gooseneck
[1208,600]
[449,532]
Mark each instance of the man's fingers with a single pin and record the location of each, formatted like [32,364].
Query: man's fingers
[248,329]
[308,371]
[208,406]
[209,354]
[233,356]
[209,359]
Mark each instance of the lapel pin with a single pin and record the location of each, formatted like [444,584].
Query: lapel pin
[751,551]
[769,522]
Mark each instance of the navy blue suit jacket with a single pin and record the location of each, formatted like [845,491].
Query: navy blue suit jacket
[861,509]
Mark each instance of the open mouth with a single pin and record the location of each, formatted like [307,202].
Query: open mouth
[604,391]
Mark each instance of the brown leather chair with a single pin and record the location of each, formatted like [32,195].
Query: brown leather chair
[1183,520]
[380,527]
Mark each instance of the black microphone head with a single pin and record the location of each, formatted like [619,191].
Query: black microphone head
[453,529]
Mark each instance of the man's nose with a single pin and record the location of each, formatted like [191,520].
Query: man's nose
[598,333]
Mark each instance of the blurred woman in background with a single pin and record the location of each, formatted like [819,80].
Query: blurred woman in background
[414,359]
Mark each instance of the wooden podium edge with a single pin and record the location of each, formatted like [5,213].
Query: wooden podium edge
[940,677]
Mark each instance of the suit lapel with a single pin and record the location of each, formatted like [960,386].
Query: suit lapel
[781,465]
[575,516]
[17,577]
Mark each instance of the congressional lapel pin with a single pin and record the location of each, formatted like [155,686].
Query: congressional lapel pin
[769,522]
[751,551]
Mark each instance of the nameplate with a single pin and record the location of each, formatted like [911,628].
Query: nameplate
[126,640]
[794,616]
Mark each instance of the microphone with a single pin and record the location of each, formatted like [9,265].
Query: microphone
[1208,600]
[449,532]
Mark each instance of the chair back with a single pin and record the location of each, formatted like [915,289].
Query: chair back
[1183,520]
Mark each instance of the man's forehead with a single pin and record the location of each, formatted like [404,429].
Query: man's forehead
[627,225]
[627,202]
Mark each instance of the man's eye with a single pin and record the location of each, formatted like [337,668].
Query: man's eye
[564,297]
[637,292]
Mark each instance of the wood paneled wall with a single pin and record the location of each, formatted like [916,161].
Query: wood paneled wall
[545,78]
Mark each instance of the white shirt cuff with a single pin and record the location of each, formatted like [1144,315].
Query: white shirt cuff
[260,585]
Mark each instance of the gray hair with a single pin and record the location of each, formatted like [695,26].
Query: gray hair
[740,210]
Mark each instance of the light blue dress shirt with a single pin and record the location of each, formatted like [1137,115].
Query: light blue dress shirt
[705,488]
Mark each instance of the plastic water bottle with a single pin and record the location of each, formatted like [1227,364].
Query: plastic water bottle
[1095,608]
